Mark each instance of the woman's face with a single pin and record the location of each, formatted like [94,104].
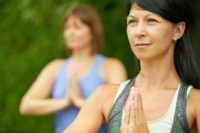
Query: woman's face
[77,35]
[150,35]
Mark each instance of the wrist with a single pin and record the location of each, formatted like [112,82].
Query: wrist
[66,102]
[79,102]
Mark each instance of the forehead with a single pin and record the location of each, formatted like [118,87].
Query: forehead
[135,9]
[73,19]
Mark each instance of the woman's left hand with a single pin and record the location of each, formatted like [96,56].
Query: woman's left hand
[74,92]
[134,119]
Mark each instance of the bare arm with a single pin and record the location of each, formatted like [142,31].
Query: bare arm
[36,101]
[197,110]
[198,119]
[193,110]
[91,115]
[113,71]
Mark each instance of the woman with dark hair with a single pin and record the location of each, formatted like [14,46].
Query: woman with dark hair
[164,96]
[72,80]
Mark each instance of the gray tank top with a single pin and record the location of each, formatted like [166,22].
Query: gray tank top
[180,124]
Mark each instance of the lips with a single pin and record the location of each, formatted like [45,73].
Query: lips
[142,45]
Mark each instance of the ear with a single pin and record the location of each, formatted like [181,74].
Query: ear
[179,30]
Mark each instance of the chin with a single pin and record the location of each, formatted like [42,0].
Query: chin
[144,57]
[74,46]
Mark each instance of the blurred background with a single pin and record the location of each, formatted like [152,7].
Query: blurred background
[31,36]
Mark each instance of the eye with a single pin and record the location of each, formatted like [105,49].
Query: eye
[77,25]
[66,27]
[131,22]
[152,20]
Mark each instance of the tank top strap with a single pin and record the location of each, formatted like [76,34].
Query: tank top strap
[115,114]
[60,79]
[97,63]
[180,123]
[64,66]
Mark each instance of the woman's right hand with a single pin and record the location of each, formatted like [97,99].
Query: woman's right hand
[73,91]
[134,119]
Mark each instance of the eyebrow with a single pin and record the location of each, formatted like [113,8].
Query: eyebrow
[132,16]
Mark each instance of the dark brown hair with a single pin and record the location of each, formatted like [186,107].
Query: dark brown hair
[89,16]
[177,11]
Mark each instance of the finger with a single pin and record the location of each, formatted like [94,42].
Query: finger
[137,106]
[124,128]
[127,112]
[131,94]
[132,116]
[133,113]
[141,119]
[140,107]
[128,105]
[125,121]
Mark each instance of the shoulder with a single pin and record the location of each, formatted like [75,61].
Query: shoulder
[113,70]
[103,96]
[106,94]
[194,95]
[111,89]
[193,99]
[54,66]
[110,61]
[193,103]
[56,63]
[106,90]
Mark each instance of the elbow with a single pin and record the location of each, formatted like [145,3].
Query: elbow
[23,111]
[24,108]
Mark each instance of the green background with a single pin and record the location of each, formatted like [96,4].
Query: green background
[31,36]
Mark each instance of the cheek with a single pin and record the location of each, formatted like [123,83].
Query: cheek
[83,38]
[129,34]
[165,33]
[165,39]
[65,35]
[87,36]
[169,35]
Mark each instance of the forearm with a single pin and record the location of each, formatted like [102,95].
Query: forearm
[42,106]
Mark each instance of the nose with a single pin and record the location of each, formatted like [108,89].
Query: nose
[140,30]
[69,32]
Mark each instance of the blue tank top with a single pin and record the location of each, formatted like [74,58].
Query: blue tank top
[87,84]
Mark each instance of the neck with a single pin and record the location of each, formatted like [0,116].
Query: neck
[157,74]
[82,54]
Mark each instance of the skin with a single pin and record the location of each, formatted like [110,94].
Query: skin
[77,36]
[156,81]
[134,119]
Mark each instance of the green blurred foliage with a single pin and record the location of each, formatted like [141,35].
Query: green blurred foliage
[31,36]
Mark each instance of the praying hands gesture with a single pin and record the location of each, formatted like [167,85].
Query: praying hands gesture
[73,91]
[134,119]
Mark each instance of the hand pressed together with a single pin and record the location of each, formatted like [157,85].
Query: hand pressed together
[134,119]
[73,92]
